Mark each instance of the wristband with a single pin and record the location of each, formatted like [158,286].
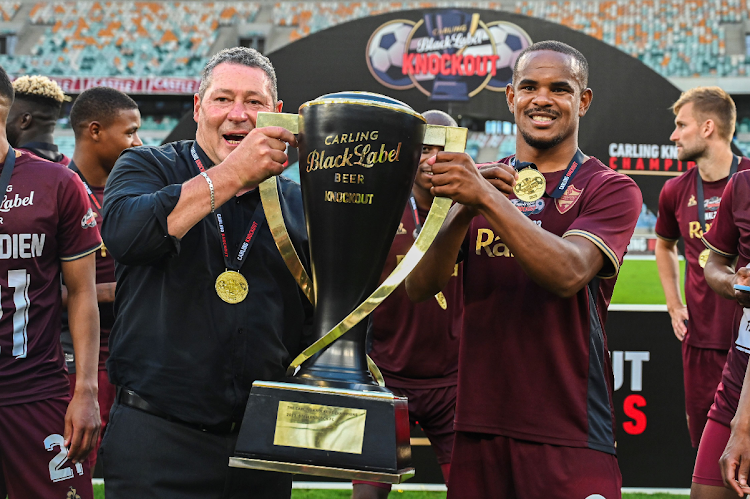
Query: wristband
[211,187]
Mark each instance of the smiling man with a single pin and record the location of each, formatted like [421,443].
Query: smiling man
[205,304]
[542,237]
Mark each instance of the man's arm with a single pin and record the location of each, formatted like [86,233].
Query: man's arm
[82,420]
[259,156]
[668,264]
[105,293]
[720,275]
[735,461]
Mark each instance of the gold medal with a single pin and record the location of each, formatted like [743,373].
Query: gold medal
[231,286]
[703,257]
[530,185]
[440,297]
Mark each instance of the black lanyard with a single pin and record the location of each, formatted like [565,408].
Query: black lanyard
[10,163]
[415,216]
[699,188]
[73,167]
[567,178]
[252,229]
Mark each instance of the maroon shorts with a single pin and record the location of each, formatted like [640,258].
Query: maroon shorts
[106,398]
[701,368]
[713,442]
[433,409]
[33,461]
[500,467]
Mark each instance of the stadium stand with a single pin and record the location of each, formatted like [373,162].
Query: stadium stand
[126,38]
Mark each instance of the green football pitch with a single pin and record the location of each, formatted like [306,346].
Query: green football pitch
[638,283]
[396,494]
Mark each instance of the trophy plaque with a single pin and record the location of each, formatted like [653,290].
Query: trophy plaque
[332,415]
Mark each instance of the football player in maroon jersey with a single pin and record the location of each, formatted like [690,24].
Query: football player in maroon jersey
[46,229]
[541,249]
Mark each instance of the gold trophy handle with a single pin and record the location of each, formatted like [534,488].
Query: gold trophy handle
[453,139]
[269,196]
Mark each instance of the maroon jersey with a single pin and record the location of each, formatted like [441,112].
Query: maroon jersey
[710,324]
[44,219]
[730,237]
[532,365]
[416,344]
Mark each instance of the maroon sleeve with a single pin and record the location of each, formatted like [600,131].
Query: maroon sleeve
[666,222]
[724,236]
[608,217]
[76,232]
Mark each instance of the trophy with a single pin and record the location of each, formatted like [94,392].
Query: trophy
[332,416]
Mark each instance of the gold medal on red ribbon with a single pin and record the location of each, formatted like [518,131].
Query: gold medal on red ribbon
[231,286]
[530,185]
[703,257]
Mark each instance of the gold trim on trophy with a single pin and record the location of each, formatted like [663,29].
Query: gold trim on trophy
[231,286]
[703,257]
[530,185]
[311,469]
[335,100]
[277,385]
[284,120]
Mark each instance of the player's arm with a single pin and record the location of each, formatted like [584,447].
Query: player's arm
[105,293]
[668,265]
[260,155]
[82,420]
[735,461]
[721,276]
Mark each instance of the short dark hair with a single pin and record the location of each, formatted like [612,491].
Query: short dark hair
[437,117]
[6,87]
[100,104]
[243,56]
[711,102]
[563,48]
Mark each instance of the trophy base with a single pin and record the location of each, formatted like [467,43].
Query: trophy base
[341,433]
[327,471]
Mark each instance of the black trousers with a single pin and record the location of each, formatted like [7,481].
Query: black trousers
[146,456]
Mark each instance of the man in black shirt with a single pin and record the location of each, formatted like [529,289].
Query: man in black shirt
[32,119]
[205,304]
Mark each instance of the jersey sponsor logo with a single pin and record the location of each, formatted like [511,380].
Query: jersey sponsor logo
[529,208]
[16,201]
[13,246]
[88,220]
[695,231]
[568,199]
[485,240]
[711,207]
[692,201]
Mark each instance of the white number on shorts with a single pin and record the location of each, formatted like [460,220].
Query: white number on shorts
[19,280]
[56,472]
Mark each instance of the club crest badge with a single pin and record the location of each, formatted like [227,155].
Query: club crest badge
[568,199]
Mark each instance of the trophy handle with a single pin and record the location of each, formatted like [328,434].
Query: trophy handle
[453,139]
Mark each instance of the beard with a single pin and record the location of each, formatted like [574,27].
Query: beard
[542,144]
[692,154]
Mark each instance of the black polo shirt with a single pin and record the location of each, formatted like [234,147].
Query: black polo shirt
[174,341]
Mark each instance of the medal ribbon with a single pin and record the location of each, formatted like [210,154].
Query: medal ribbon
[252,229]
[570,172]
[415,216]
[73,167]
[699,188]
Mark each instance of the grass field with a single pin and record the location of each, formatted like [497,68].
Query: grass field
[638,283]
[396,494]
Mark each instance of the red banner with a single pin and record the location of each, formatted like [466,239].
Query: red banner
[149,85]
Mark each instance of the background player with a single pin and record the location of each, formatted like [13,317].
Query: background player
[32,118]
[105,122]
[535,381]
[704,125]
[48,229]
[416,345]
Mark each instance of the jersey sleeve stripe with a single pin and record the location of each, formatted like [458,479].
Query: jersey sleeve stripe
[81,254]
[667,238]
[603,247]
[717,250]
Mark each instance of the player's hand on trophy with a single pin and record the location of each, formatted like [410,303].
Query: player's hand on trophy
[82,425]
[742,277]
[261,154]
[455,175]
